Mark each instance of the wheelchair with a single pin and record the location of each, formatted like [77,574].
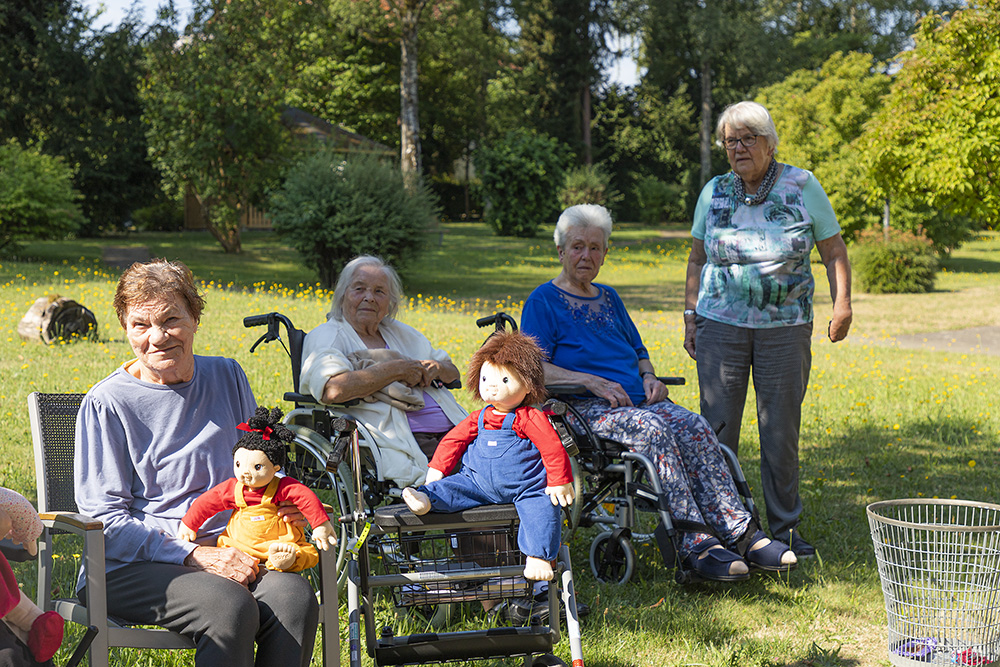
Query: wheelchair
[415,561]
[619,491]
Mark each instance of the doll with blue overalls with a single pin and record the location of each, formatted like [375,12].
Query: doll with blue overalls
[507,452]
[254,493]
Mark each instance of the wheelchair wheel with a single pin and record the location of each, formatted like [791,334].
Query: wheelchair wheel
[612,557]
[307,463]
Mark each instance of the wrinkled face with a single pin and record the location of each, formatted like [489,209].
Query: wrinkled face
[161,334]
[583,253]
[750,163]
[253,468]
[366,301]
[501,387]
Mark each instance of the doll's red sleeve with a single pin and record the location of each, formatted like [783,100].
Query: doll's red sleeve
[10,592]
[531,423]
[220,497]
[292,489]
[449,451]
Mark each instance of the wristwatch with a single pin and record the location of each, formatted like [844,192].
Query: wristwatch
[689,311]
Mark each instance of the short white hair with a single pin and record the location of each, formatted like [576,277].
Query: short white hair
[750,115]
[583,216]
[346,277]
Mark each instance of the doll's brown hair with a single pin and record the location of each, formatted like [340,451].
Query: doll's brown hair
[514,351]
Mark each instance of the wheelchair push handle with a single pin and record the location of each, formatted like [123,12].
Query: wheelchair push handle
[272,320]
[498,320]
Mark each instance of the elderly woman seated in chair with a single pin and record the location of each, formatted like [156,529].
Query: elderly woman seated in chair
[591,341]
[364,352]
[151,437]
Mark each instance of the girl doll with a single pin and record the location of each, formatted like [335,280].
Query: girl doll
[255,527]
[41,632]
[509,452]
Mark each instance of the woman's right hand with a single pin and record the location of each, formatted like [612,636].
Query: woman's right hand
[610,391]
[227,562]
[690,329]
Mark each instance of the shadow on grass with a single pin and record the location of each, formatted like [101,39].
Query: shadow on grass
[972,264]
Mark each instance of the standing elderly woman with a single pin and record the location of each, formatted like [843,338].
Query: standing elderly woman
[748,300]
[363,349]
[151,437]
[591,341]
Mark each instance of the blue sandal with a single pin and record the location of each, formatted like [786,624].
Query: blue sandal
[715,565]
[768,557]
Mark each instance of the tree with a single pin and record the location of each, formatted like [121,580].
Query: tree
[37,199]
[213,103]
[935,139]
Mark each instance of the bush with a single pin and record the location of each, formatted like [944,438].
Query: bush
[589,184]
[520,178]
[165,215]
[905,264]
[333,207]
[660,202]
[37,198]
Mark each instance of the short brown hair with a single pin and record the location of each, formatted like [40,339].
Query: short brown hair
[516,352]
[149,282]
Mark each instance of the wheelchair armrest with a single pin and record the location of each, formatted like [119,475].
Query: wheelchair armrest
[565,389]
[299,399]
[671,380]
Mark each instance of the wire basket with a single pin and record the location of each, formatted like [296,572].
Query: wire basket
[454,553]
[939,564]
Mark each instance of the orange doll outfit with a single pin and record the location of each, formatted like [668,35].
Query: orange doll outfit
[255,523]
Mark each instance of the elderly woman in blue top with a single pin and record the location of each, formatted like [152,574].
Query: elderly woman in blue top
[150,438]
[749,297]
[591,341]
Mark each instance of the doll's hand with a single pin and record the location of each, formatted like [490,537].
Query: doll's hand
[324,537]
[433,475]
[560,495]
[186,534]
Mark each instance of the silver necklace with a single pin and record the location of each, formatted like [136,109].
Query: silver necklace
[770,176]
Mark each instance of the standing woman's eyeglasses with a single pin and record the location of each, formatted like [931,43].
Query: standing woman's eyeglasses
[748,141]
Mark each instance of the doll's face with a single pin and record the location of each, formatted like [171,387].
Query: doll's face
[501,386]
[253,468]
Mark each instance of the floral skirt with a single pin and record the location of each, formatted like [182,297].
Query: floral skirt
[685,451]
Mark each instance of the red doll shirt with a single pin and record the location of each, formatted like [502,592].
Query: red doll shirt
[529,422]
[223,497]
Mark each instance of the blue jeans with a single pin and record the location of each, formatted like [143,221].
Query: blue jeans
[779,360]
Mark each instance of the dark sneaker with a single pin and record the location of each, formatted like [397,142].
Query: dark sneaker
[525,611]
[797,544]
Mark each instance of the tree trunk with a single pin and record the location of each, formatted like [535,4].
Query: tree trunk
[222,228]
[705,133]
[585,121]
[410,159]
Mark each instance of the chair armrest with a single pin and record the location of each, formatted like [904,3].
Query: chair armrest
[70,521]
[565,389]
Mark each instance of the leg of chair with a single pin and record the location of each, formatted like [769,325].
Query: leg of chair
[330,616]
[97,603]
[44,592]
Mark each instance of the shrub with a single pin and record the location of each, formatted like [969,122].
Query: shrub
[906,263]
[520,178]
[333,207]
[659,201]
[588,184]
[37,198]
[164,215]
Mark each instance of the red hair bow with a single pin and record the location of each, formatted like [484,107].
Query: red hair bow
[264,432]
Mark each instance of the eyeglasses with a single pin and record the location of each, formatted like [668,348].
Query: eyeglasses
[748,141]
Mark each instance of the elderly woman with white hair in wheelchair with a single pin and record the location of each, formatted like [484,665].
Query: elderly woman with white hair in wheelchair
[364,352]
[592,341]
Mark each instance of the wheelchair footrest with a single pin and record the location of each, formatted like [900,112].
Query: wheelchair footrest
[469,645]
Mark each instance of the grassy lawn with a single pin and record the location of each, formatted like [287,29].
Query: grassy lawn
[879,422]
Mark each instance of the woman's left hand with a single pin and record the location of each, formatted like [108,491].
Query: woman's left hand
[840,324]
[291,514]
[655,390]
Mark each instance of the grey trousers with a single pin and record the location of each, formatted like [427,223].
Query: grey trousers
[279,612]
[779,360]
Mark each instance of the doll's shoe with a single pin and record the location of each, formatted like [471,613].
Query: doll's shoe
[717,564]
[45,636]
[772,557]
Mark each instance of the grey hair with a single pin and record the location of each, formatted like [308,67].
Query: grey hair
[583,215]
[750,115]
[347,277]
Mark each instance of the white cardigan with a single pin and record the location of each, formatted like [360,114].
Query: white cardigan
[324,355]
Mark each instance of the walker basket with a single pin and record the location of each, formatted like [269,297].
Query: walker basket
[939,564]
[435,561]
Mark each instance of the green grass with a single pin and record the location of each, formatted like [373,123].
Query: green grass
[878,422]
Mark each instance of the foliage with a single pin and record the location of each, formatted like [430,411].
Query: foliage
[520,178]
[163,215]
[37,198]
[660,202]
[332,208]
[213,103]
[905,263]
[588,184]
[935,138]
[820,117]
